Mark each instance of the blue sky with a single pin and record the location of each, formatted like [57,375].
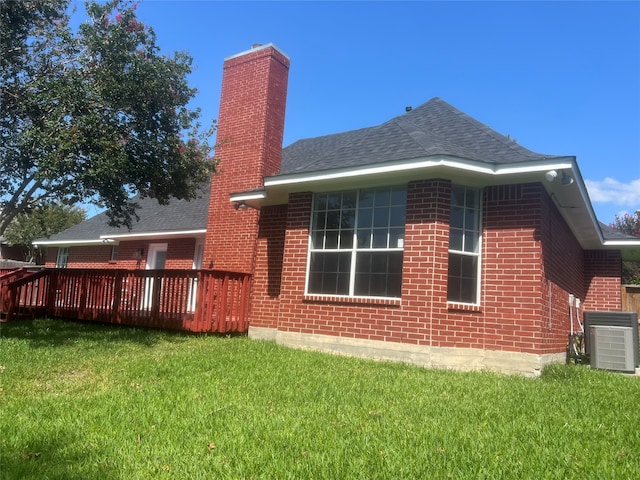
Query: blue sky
[560,77]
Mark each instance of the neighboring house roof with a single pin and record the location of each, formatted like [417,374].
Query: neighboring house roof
[433,128]
[177,218]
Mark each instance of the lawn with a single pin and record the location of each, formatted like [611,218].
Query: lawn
[81,401]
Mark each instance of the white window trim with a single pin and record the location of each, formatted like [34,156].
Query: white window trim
[353,250]
[478,255]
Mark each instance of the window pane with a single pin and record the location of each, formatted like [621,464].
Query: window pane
[316,240]
[379,274]
[321,201]
[471,242]
[455,239]
[399,196]
[364,238]
[381,217]
[346,239]
[365,217]
[396,238]
[457,217]
[379,238]
[397,216]
[334,201]
[366,198]
[471,219]
[463,274]
[471,198]
[319,219]
[329,273]
[331,239]
[383,197]
[348,219]
[349,199]
[333,219]
[457,196]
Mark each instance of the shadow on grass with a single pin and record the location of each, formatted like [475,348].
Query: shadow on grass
[56,457]
[50,332]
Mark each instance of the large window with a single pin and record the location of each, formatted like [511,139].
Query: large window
[357,241]
[464,245]
[63,257]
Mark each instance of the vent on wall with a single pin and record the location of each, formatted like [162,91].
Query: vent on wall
[612,340]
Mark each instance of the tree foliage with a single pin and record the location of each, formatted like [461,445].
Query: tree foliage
[41,222]
[629,224]
[95,115]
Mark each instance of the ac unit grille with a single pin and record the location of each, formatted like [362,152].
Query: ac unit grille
[612,348]
[612,340]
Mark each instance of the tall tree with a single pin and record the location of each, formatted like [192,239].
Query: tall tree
[41,222]
[93,116]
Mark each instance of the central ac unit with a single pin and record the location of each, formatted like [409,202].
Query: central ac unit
[612,340]
[612,348]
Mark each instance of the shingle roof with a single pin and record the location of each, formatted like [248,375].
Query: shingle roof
[178,215]
[433,128]
[610,233]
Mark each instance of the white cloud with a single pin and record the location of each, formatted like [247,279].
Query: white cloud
[611,190]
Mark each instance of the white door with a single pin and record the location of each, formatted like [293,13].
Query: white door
[156,260]
[157,256]
[197,265]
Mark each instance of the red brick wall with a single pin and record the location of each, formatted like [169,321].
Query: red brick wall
[512,275]
[250,132]
[563,267]
[267,276]
[530,264]
[603,271]
[131,255]
[96,256]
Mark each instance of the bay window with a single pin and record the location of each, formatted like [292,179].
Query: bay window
[357,243]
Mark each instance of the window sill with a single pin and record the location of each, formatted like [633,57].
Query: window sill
[463,307]
[390,302]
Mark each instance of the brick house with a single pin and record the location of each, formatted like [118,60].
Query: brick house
[429,238]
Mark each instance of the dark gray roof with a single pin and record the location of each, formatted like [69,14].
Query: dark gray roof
[610,233]
[434,128]
[178,215]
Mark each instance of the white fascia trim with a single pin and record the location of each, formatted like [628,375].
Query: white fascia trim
[177,233]
[441,161]
[621,243]
[109,239]
[72,242]
[240,197]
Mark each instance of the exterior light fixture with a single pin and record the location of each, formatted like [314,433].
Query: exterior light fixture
[566,179]
[551,175]
[240,206]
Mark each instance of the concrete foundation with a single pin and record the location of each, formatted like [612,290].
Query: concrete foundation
[464,359]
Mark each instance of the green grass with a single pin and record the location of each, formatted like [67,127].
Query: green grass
[80,401]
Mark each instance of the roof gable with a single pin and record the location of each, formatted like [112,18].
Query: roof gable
[433,128]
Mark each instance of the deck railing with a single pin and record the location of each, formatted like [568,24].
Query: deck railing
[192,300]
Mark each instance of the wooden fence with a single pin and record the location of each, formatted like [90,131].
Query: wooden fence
[192,300]
[631,299]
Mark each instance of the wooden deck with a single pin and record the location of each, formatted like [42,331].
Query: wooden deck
[191,300]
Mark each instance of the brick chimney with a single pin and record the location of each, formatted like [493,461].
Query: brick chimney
[250,133]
